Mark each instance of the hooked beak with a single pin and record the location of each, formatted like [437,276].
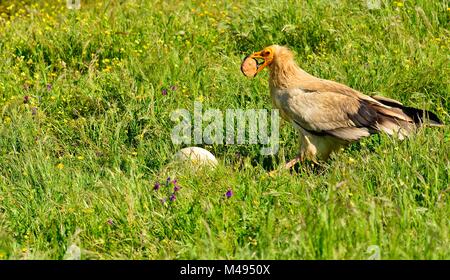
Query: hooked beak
[260,66]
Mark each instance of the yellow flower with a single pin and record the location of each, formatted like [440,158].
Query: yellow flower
[134,153]
[60,166]
[80,157]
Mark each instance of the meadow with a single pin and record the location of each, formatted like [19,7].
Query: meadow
[85,103]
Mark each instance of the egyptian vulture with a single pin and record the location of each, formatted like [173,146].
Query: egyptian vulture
[328,115]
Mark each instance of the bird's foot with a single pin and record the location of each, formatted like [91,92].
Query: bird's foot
[288,165]
[291,163]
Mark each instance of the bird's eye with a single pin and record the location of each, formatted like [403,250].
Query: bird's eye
[266,53]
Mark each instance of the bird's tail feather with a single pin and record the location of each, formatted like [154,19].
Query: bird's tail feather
[394,126]
[418,116]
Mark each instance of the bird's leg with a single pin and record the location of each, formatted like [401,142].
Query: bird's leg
[288,165]
[291,163]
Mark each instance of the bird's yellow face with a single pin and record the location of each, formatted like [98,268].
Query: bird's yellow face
[266,54]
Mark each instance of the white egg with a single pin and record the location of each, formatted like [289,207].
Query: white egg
[196,155]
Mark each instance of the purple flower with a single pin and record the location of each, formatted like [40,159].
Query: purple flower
[110,222]
[173,87]
[49,87]
[176,188]
[167,181]
[173,197]
[174,182]
[26,98]
[164,91]
[34,111]
[156,186]
[229,193]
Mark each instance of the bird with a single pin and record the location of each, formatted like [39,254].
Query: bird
[329,115]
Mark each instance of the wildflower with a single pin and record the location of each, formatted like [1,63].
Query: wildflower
[164,91]
[60,165]
[173,87]
[110,222]
[229,193]
[156,186]
[176,188]
[167,181]
[172,197]
[26,99]
[49,87]
[200,98]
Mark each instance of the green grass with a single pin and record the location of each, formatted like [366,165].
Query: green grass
[100,136]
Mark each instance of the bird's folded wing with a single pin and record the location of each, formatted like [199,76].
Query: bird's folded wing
[383,105]
[343,116]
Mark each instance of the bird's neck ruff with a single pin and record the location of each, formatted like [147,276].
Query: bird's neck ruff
[285,73]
